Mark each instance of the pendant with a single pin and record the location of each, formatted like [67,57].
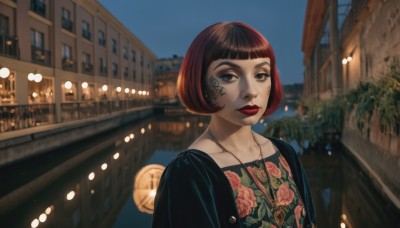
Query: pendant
[303,211]
[279,216]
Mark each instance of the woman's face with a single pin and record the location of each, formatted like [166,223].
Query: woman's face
[241,87]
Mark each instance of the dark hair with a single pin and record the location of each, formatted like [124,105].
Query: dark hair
[234,40]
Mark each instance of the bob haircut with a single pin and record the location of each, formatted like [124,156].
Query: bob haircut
[234,40]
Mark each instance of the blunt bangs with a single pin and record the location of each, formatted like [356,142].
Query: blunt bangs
[233,40]
[237,41]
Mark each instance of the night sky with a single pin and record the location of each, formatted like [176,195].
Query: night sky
[168,27]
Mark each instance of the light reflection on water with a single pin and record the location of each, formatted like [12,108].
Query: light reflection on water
[103,196]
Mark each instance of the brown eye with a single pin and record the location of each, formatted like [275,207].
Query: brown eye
[228,77]
[262,76]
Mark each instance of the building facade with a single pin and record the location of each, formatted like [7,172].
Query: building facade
[68,60]
[166,71]
[346,42]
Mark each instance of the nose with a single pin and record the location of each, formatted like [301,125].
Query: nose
[249,89]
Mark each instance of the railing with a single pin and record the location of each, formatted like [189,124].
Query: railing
[87,68]
[67,24]
[15,117]
[38,7]
[40,56]
[9,46]
[86,34]
[69,65]
[102,42]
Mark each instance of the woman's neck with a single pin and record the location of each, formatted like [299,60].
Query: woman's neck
[232,136]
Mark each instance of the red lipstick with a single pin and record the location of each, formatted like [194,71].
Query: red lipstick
[249,110]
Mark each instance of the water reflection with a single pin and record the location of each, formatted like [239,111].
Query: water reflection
[93,183]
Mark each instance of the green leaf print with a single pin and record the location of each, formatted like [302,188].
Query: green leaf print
[251,220]
[258,193]
[290,220]
[275,183]
[284,173]
[244,179]
[261,211]
[264,224]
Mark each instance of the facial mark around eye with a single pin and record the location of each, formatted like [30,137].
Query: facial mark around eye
[215,88]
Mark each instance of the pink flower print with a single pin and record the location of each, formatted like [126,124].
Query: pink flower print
[233,178]
[284,194]
[245,201]
[273,170]
[285,165]
[297,215]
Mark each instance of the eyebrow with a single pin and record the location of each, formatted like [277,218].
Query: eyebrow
[237,66]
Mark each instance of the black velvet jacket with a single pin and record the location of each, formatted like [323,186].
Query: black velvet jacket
[194,192]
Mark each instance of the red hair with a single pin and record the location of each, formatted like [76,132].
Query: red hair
[233,40]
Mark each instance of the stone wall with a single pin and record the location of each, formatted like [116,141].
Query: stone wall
[379,39]
[378,153]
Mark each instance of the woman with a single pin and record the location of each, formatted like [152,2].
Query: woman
[231,176]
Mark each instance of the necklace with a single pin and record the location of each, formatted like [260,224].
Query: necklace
[279,213]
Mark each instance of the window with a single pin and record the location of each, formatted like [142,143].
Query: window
[125,51]
[86,65]
[126,72]
[39,7]
[114,46]
[344,7]
[66,19]
[37,39]
[66,51]
[86,30]
[102,38]
[102,66]
[133,56]
[115,69]
[86,58]
[67,62]
[3,25]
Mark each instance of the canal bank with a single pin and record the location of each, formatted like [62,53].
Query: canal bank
[22,144]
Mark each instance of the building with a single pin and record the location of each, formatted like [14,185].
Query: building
[68,60]
[167,70]
[346,42]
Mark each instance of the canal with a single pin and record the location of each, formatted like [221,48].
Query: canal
[109,180]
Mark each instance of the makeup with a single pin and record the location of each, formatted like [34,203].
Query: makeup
[249,110]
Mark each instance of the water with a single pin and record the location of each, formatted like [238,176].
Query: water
[90,183]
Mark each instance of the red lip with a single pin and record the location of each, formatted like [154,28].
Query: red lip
[249,110]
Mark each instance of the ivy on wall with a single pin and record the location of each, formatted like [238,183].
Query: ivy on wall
[320,118]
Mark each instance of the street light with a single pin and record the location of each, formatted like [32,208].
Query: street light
[4,72]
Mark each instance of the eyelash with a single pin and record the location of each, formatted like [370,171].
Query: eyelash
[227,77]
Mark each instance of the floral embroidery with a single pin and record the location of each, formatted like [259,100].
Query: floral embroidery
[284,194]
[285,165]
[255,210]
[297,215]
[233,178]
[260,185]
[245,201]
[273,170]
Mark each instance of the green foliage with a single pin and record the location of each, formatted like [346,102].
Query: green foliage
[288,128]
[382,97]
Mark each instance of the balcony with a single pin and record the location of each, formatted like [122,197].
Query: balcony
[86,34]
[103,70]
[102,42]
[67,24]
[9,46]
[38,7]
[87,68]
[68,64]
[41,56]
